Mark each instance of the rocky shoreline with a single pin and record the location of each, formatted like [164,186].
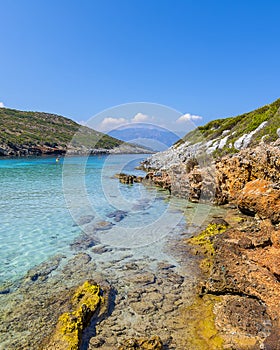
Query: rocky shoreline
[13,150]
[232,302]
[241,263]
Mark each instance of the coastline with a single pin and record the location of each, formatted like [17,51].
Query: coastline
[82,153]
[156,303]
[21,151]
[144,287]
[240,264]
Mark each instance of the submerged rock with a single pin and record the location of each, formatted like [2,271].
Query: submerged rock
[103,225]
[117,215]
[83,220]
[152,343]
[5,290]
[83,242]
[101,249]
[43,270]
[143,278]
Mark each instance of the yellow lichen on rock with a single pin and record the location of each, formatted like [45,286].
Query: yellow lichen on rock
[203,240]
[88,294]
[200,318]
[70,326]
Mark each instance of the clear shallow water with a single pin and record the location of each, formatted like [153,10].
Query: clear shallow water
[41,201]
[49,208]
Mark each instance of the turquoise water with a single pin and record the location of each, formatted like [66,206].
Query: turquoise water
[44,202]
[69,221]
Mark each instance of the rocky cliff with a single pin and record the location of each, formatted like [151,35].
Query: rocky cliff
[223,136]
[215,161]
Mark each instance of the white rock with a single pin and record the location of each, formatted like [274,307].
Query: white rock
[213,147]
[238,143]
[223,142]
[209,143]
[244,140]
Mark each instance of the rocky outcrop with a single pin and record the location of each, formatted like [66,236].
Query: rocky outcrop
[261,197]
[234,172]
[221,181]
[241,265]
[246,265]
[22,150]
[70,326]
[129,179]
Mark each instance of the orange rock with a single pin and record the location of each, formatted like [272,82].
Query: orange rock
[260,197]
[275,238]
[234,172]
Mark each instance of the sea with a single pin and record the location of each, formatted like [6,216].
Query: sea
[46,203]
[67,220]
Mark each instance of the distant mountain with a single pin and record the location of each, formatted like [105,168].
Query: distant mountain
[35,133]
[155,138]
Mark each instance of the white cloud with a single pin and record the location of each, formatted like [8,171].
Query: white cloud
[109,123]
[188,117]
[2,105]
[140,118]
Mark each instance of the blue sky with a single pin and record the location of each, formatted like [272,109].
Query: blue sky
[76,58]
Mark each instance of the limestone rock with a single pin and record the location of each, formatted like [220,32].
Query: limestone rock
[218,182]
[260,197]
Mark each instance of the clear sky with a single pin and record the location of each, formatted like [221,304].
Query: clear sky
[212,59]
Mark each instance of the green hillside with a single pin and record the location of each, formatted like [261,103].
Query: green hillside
[233,130]
[25,132]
